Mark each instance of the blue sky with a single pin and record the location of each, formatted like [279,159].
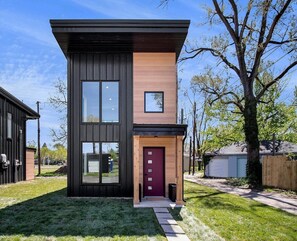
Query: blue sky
[31,60]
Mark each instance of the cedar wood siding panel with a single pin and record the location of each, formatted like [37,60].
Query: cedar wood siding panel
[104,67]
[29,164]
[155,72]
[11,147]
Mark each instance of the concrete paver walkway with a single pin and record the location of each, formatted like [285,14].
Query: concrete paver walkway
[171,229]
[272,199]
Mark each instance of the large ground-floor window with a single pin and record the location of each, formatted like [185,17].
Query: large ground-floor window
[100,162]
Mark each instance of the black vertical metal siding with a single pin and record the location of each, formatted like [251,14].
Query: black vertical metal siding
[103,67]
[11,147]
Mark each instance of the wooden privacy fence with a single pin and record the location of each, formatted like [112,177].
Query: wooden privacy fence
[280,172]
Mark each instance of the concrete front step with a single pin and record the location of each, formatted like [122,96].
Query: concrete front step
[164,215]
[161,210]
[166,221]
[177,237]
[170,227]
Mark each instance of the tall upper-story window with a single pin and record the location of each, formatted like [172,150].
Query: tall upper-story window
[90,102]
[100,101]
[9,125]
[154,102]
[110,102]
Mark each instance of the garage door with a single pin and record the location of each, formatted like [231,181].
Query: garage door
[241,167]
[218,168]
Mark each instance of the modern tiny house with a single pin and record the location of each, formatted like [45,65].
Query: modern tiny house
[13,117]
[123,136]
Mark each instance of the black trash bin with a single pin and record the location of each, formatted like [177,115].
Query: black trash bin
[172,192]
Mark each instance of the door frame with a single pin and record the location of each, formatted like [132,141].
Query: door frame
[164,172]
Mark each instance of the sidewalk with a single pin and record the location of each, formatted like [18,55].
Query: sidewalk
[272,199]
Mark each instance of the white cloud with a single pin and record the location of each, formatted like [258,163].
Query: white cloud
[27,26]
[118,9]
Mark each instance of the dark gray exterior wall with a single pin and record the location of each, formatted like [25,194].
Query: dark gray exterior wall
[12,147]
[94,67]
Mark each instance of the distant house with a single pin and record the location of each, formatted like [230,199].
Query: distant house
[123,135]
[13,116]
[230,161]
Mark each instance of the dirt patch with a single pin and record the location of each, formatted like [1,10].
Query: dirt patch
[61,170]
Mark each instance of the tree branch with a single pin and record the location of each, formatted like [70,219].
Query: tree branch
[283,42]
[235,10]
[224,20]
[215,53]
[275,22]
[281,75]
[246,17]
[260,46]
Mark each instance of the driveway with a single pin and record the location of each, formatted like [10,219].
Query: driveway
[288,204]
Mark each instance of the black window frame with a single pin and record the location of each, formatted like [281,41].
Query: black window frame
[154,92]
[100,102]
[100,165]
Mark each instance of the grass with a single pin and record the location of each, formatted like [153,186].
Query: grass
[40,210]
[231,217]
[238,182]
[288,193]
[48,171]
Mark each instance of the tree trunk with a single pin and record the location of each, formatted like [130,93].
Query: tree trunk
[254,167]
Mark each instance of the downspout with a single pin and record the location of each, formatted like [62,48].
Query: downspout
[183,159]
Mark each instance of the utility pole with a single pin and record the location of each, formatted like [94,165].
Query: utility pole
[194,135]
[190,155]
[182,116]
[38,140]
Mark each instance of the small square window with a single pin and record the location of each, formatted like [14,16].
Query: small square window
[154,102]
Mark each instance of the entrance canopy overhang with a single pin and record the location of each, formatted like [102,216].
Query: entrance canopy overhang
[159,129]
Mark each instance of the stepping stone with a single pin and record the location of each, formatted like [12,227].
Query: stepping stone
[161,210]
[177,237]
[164,215]
[166,221]
[172,229]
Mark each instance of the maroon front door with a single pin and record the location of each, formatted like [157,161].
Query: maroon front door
[153,171]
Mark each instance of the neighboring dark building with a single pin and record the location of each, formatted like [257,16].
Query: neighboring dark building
[122,106]
[13,117]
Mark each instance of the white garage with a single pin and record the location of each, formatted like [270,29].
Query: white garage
[226,166]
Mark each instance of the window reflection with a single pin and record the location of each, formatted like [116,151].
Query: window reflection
[110,162]
[110,101]
[154,102]
[91,163]
[90,102]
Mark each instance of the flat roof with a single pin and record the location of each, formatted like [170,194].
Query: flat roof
[31,113]
[120,35]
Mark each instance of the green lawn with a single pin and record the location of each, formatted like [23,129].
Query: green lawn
[40,210]
[48,171]
[209,212]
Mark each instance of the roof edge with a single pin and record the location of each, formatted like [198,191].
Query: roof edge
[20,104]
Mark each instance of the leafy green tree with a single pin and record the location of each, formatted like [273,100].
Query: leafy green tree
[258,35]
[45,153]
[59,153]
[273,116]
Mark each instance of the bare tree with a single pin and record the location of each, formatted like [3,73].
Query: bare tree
[258,37]
[59,102]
